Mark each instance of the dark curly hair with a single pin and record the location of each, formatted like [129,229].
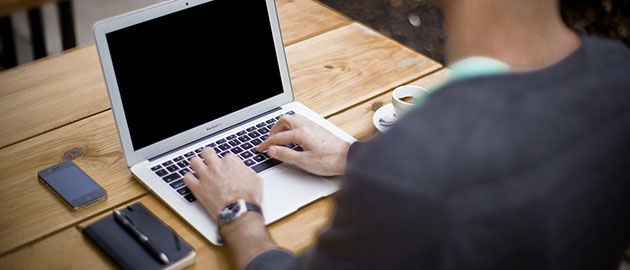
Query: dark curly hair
[605,18]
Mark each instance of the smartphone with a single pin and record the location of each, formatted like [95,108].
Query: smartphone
[72,185]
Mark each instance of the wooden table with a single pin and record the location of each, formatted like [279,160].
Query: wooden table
[57,108]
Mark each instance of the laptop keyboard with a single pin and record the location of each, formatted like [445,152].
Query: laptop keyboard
[242,143]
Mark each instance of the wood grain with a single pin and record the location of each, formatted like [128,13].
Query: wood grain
[57,90]
[349,65]
[358,119]
[43,95]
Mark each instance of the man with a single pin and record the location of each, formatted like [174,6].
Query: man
[516,168]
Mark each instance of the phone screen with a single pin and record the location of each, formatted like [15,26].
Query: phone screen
[72,184]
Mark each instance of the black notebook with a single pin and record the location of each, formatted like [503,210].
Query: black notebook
[128,253]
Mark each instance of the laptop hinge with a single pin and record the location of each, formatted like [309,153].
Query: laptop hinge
[214,134]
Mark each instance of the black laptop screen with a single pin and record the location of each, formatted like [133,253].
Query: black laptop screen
[184,69]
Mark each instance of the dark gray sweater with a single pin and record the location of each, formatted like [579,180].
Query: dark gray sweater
[515,171]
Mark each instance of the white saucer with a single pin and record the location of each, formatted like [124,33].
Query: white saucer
[385,110]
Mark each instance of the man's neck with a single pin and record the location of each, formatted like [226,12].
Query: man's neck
[526,35]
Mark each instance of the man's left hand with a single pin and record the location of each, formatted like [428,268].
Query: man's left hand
[218,182]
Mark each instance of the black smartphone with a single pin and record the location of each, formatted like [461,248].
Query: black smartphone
[72,185]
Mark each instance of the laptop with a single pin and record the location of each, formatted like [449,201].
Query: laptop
[187,74]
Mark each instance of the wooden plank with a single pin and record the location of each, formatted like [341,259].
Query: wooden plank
[295,233]
[58,90]
[349,65]
[43,95]
[301,19]
[358,120]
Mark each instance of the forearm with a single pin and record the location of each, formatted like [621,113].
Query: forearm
[246,237]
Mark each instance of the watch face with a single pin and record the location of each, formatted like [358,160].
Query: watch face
[229,212]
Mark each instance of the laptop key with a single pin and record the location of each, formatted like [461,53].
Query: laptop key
[224,147]
[220,141]
[211,145]
[190,197]
[264,137]
[198,150]
[243,138]
[183,191]
[260,125]
[234,142]
[189,154]
[171,177]
[253,134]
[263,130]
[266,165]
[259,158]
[249,162]
[270,121]
[184,171]
[256,141]
[246,145]
[172,168]
[161,172]
[167,163]
[237,150]
[231,137]
[247,154]
[177,184]
[183,164]
[250,129]
[290,113]
[155,168]
[178,159]
[241,133]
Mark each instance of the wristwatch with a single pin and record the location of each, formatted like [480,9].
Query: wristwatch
[234,210]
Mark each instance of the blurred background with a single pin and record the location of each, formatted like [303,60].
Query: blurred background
[416,23]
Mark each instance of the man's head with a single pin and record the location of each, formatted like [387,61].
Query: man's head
[525,34]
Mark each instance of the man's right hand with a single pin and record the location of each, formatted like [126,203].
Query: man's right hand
[324,153]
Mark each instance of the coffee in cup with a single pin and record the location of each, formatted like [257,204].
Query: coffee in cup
[404,98]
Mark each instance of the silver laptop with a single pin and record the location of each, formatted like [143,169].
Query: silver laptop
[183,75]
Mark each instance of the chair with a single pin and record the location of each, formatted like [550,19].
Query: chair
[8,56]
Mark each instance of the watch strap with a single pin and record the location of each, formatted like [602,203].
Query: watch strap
[234,210]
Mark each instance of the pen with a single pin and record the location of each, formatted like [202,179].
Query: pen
[139,236]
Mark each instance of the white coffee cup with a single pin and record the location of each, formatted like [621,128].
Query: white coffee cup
[404,98]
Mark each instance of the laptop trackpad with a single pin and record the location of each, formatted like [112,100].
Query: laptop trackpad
[287,188]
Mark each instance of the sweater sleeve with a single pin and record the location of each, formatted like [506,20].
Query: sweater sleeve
[271,260]
[371,228]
